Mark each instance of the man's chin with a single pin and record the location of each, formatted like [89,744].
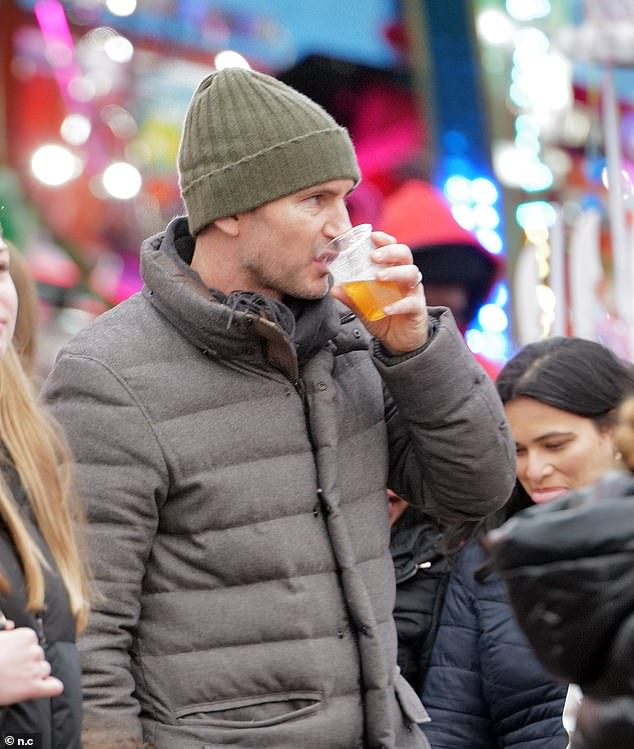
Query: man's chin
[312,294]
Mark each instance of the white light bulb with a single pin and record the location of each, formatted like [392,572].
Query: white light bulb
[54,165]
[122,180]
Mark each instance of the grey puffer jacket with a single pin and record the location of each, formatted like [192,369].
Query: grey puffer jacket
[234,481]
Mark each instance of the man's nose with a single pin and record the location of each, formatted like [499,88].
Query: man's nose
[338,221]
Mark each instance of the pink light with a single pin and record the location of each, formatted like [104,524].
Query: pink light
[51,18]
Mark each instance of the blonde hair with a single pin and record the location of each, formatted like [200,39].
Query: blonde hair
[26,325]
[624,434]
[42,461]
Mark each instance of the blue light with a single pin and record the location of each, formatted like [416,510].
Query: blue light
[536,177]
[458,165]
[458,189]
[486,217]
[501,294]
[494,346]
[493,318]
[590,201]
[464,215]
[454,141]
[491,240]
[538,214]
[484,191]
[475,340]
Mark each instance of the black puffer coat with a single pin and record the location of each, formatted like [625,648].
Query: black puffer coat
[569,569]
[55,721]
[484,687]
[422,571]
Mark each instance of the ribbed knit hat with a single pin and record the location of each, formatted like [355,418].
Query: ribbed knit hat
[249,139]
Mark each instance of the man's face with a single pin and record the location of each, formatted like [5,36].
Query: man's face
[280,243]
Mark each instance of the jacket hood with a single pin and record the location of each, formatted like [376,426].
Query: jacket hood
[418,215]
[569,570]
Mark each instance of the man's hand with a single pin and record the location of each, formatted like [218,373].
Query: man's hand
[405,327]
[24,672]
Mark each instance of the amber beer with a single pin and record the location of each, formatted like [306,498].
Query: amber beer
[354,271]
[372,296]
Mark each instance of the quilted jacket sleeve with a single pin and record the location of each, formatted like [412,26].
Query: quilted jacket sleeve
[485,687]
[451,451]
[121,475]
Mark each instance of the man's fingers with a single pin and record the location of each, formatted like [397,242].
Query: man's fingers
[407,276]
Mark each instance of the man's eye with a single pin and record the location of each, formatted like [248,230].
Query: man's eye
[555,445]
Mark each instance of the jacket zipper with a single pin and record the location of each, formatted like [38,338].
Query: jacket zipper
[40,632]
[412,571]
[300,387]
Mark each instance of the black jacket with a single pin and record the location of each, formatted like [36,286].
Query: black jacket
[569,569]
[55,721]
[422,571]
[484,687]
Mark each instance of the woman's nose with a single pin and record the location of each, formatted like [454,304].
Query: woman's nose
[538,467]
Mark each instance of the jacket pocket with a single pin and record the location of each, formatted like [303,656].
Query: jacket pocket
[408,700]
[254,711]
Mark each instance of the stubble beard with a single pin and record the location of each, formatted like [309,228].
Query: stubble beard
[284,285]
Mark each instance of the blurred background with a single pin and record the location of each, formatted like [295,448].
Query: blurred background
[520,113]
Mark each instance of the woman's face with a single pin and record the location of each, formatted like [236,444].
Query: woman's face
[556,451]
[8,300]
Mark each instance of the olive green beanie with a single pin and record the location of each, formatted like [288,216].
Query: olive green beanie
[249,139]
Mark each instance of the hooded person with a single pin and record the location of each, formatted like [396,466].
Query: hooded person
[458,271]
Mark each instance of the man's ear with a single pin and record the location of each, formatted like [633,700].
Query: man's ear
[228,225]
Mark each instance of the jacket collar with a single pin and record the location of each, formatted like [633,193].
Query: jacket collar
[203,316]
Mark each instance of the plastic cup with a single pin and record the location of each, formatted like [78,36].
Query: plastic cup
[354,271]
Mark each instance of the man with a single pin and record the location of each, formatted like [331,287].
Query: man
[234,436]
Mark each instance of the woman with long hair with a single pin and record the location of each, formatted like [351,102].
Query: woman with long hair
[43,582]
[485,688]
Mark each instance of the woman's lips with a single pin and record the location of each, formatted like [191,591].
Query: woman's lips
[539,496]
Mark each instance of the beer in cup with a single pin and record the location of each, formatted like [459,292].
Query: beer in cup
[354,271]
